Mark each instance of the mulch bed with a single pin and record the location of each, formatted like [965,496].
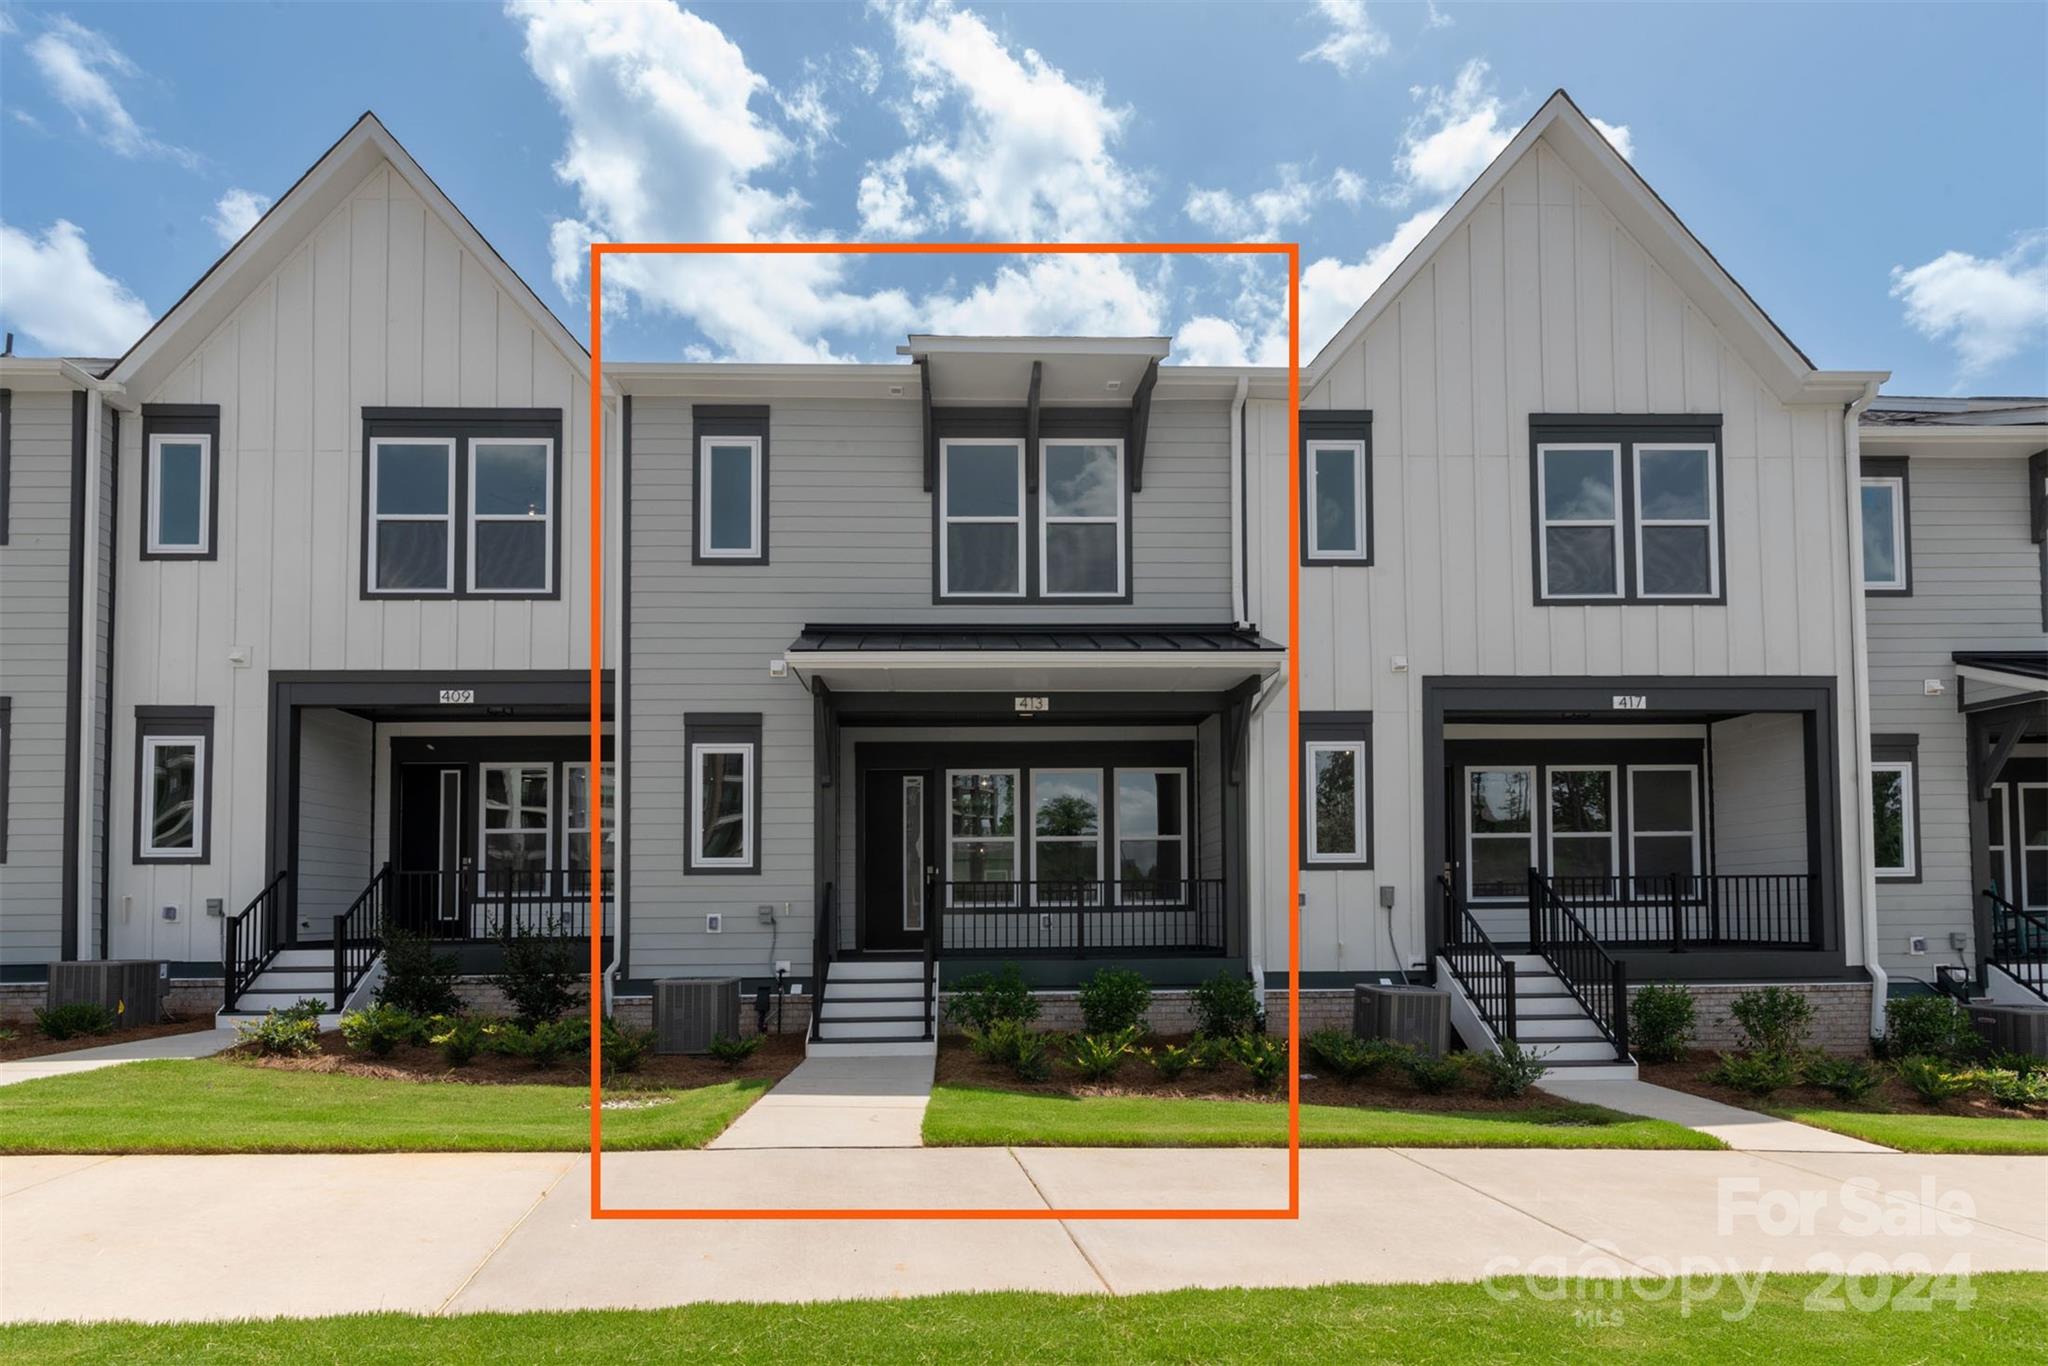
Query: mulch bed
[1892,1097]
[1387,1089]
[28,1041]
[777,1056]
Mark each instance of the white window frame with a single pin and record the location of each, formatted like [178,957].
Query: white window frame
[595,800]
[483,830]
[1636,831]
[1316,549]
[752,550]
[1897,486]
[1909,818]
[1536,796]
[151,744]
[947,521]
[1711,522]
[1117,853]
[377,518]
[2001,852]
[1356,749]
[744,860]
[1544,522]
[1017,816]
[157,441]
[547,522]
[2018,835]
[1046,519]
[1551,833]
[1102,826]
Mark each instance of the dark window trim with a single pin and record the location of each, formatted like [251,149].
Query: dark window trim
[1627,430]
[6,768]
[461,425]
[709,421]
[154,721]
[1334,726]
[1337,424]
[1891,467]
[182,419]
[2037,518]
[712,728]
[1899,749]
[6,462]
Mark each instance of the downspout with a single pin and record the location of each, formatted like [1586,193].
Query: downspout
[1866,864]
[87,700]
[1255,843]
[1239,590]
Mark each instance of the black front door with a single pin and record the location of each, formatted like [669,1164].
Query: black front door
[431,856]
[895,859]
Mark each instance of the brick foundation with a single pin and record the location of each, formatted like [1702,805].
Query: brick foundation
[1841,1014]
[637,1012]
[185,998]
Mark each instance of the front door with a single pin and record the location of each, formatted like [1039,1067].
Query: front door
[896,868]
[428,895]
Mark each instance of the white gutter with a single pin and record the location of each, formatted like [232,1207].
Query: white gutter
[1866,861]
[1238,588]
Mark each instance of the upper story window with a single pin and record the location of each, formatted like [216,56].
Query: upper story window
[731,479]
[461,502]
[981,519]
[180,484]
[1626,509]
[1336,485]
[1887,546]
[1081,519]
[1014,522]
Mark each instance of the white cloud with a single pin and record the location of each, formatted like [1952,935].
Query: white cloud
[1353,41]
[235,213]
[1264,215]
[1437,18]
[80,67]
[1986,308]
[1332,289]
[1348,186]
[1618,134]
[51,291]
[1086,294]
[806,108]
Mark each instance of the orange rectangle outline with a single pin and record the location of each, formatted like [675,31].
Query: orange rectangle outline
[598,251]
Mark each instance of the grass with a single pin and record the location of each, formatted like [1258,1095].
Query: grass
[208,1106]
[2005,1320]
[1927,1133]
[963,1116]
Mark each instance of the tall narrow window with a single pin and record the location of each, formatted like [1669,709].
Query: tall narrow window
[1500,832]
[723,834]
[1676,551]
[173,784]
[518,813]
[576,813]
[1081,519]
[981,837]
[1891,818]
[1336,828]
[511,502]
[1884,533]
[180,512]
[1582,825]
[729,502]
[1066,834]
[1337,528]
[1998,843]
[412,516]
[2033,851]
[1579,504]
[1151,835]
[981,523]
[1664,829]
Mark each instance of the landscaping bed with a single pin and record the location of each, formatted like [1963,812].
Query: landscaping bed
[30,1042]
[775,1058]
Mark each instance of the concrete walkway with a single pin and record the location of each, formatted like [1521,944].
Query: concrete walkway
[839,1103]
[200,1043]
[1742,1130]
[184,1237]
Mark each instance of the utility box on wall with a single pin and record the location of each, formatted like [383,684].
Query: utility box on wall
[690,1012]
[131,988]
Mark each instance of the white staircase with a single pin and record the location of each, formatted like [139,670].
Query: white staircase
[294,975]
[873,1008]
[1548,1020]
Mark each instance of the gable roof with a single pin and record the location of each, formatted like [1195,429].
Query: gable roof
[1622,190]
[287,223]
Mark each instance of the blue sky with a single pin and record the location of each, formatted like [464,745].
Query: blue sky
[1877,176]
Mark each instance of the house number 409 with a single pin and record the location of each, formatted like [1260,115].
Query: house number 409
[458,696]
[1631,701]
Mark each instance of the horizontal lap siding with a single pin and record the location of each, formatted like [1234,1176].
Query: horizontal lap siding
[1759,797]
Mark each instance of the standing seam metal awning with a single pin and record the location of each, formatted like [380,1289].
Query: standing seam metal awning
[1033,658]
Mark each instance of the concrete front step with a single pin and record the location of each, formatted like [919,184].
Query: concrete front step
[886,988]
[910,1027]
[875,970]
[1610,1070]
[1546,1007]
[834,1007]
[1578,1050]
[872,1048]
[1540,1027]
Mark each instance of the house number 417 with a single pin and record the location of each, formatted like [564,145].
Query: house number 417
[1631,701]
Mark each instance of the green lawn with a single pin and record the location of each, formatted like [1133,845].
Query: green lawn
[207,1106]
[2005,1321]
[1929,1133]
[962,1116]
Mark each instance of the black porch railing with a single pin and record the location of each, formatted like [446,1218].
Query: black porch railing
[479,905]
[1681,911]
[249,938]
[1485,973]
[1592,975]
[359,935]
[824,948]
[2019,943]
[1077,919]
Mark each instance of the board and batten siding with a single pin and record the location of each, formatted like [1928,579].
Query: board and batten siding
[1976,578]
[850,539]
[380,305]
[1540,302]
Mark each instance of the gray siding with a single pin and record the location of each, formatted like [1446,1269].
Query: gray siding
[337,766]
[34,636]
[1759,794]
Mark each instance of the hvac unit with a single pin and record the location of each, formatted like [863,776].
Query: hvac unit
[2013,1029]
[689,1013]
[131,988]
[1419,1017]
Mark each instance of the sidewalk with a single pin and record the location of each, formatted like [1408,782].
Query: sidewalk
[183,1237]
[1742,1130]
[839,1103]
[202,1043]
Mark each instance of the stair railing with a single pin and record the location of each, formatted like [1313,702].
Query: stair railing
[2019,943]
[1482,970]
[931,955]
[249,939]
[1594,977]
[824,946]
[359,935]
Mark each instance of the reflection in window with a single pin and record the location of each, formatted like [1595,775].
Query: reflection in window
[723,832]
[981,837]
[1884,533]
[1580,502]
[1675,549]
[1151,834]
[730,501]
[1066,834]
[510,502]
[982,519]
[173,768]
[1081,518]
[1891,818]
[1582,833]
[1338,526]
[1500,831]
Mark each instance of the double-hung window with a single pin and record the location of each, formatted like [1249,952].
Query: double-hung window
[981,519]
[1895,807]
[1336,486]
[518,812]
[1066,835]
[732,484]
[1626,509]
[173,784]
[1578,497]
[1081,519]
[180,481]
[1583,842]
[1663,820]
[1675,501]
[412,516]
[461,503]
[1887,556]
[577,805]
[981,836]
[511,511]
[1151,835]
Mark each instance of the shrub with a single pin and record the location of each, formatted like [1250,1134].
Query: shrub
[1927,1027]
[1848,1078]
[78,1020]
[1099,1056]
[1115,999]
[280,1034]
[1227,1007]
[983,998]
[1431,1076]
[732,1052]
[539,978]
[1756,1074]
[625,1048]
[459,1038]
[546,1044]
[1512,1071]
[1342,1055]
[417,979]
[378,1029]
[1932,1079]
[2014,1089]
[1773,1021]
[2026,1064]
[1170,1060]
[1262,1055]
[1660,1022]
[305,1008]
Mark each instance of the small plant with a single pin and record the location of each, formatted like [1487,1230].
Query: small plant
[732,1052]
[1171,1060]
[1755,1074]
[983,998]
[417,979]
[459,1038]
[8,1034]
[305,1008]
[1928,1027]
[378,1029]
[1512,1071]
[1849,1079]
[79,1019]
[2014,1089]
[1115,999]
[279,1034]
[1933,1080]
[1263,1056]
[1660,1022]
[1432,1076]
[625,1048]
[1015,1045]
[2026,1064]
[1773,1022]
[1099,1056]
[1228,1007]
[1031,1058]
[539,977]
[1342,1055]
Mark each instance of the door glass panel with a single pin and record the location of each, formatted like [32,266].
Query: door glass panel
[913,853]
[1581,822]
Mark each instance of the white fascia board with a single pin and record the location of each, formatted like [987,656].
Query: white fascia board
[724,379]
[1142,348]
